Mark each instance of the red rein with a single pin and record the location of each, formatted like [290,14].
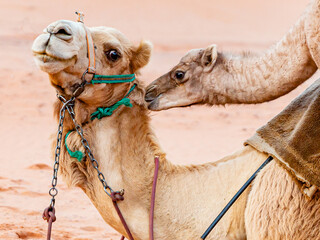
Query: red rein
[153,197]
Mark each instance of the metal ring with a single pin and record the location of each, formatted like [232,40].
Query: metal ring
[84,74]
[53,192]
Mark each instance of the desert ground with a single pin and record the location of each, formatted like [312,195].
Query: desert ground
[189,135]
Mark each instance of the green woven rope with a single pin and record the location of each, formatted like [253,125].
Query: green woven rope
[104,112]
[76,154]
[107,111]
[113,78]
[96,76]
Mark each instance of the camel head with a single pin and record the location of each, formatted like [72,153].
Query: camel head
[61,51]
[181,86]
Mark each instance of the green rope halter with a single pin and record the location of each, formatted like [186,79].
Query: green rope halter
[107,111]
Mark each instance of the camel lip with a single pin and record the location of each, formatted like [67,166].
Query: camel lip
[149,98]
[45,57]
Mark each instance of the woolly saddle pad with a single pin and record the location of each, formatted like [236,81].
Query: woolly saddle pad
[293,138]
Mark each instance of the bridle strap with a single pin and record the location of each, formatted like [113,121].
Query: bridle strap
[90,46]
[153,197]
[91,54]
[91,69]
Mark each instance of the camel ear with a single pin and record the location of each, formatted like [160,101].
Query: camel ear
[209,57]
[141,55]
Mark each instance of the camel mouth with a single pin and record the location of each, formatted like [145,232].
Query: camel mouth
[148,98]
[160,103]
[151,94]
[153,104]
[47,58]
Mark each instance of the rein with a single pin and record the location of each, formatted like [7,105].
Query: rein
[49,212]
[235,197]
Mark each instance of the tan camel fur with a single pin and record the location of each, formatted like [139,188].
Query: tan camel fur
[213,77]
[188,197]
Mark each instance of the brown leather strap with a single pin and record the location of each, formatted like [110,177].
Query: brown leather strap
[153,197]
[91,55]
[90,46]
[116,196]
[49,212]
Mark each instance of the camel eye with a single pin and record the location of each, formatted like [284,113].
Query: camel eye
[113,55]
[179,75]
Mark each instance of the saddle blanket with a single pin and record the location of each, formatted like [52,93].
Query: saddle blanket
[293,139]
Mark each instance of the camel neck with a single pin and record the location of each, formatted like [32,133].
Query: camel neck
[255,79]
[127,145]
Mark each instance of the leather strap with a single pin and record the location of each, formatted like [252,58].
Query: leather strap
[153,197]
[50,217]
[90,46]
[116,196]
[91,54]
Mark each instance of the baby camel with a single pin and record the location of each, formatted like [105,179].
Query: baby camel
[188,197]
[209,76]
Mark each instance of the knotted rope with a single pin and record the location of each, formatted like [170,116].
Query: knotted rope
[107,111]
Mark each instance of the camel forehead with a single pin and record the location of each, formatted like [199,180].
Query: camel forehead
[103,35]
[192,56]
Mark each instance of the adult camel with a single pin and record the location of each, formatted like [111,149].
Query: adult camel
[188,197]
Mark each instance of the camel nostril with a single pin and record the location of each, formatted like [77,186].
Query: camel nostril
[150,96]
[63,32]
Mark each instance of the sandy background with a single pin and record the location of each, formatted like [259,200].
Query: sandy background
[190,135]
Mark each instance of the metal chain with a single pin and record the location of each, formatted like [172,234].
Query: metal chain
[68,105]
[53,190]
[49,212]
[108,190]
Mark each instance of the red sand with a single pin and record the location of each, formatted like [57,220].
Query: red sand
[192,135]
